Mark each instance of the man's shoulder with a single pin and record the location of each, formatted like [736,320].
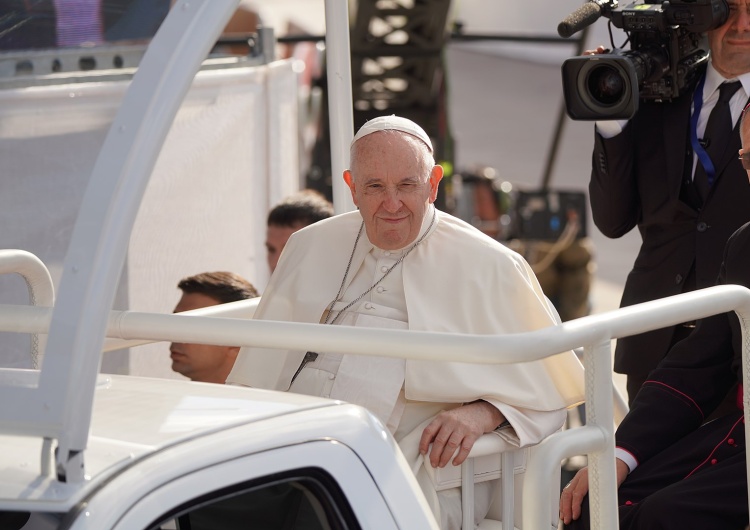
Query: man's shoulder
[336,225]
[736,257]
[741,237]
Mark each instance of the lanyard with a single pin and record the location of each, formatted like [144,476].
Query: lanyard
[698,149]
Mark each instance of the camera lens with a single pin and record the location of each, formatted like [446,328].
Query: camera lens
[601,87]
[606,85]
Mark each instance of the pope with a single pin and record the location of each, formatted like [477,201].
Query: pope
[399,263]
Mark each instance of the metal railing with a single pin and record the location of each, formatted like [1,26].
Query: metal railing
[595,439]
[39,283]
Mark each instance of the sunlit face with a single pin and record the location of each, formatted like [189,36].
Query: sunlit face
[393,183]
[276,238]
[730,43]
[201,362]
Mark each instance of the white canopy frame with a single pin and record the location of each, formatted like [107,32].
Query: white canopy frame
[60,407]
[39,283]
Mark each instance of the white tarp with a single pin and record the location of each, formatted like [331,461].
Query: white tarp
[230,155]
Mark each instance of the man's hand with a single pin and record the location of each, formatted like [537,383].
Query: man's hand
[572,495]
[458,428]
[598,51]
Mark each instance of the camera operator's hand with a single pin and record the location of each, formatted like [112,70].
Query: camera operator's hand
[607,128]
[598,51]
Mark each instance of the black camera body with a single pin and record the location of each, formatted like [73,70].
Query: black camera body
[667,52]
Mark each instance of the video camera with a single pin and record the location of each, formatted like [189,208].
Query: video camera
[667,51]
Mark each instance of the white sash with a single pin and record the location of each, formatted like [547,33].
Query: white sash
[373,382]
[369,381]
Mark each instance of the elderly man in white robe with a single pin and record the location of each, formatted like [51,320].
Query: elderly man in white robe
[399,263]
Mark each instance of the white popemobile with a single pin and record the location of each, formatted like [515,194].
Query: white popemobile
[82,450]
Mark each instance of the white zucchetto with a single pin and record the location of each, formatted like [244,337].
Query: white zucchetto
[393,123]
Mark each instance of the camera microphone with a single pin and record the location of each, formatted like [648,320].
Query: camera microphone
[585,15]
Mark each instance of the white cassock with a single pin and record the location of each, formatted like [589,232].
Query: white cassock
[456,280]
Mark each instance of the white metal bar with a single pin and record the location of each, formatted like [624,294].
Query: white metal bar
[509,488]
[490,444]
[467,493]
[15,320]
[599,413]
[488,349]
[240,309]
[596,440]
[546,458]
[40,286]
[340,104]
[745,326]
[99,242]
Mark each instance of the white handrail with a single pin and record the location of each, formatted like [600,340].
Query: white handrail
[40,286]
[240,309]
[16,319]
[596,438]
[410,344]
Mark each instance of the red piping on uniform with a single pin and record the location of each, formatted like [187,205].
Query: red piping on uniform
[680,393]
[715,448]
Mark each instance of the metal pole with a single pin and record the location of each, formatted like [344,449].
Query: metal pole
[340,101]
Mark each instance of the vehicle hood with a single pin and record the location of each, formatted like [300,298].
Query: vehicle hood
[132,418]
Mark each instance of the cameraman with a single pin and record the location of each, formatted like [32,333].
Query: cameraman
[646,174]
[674,470]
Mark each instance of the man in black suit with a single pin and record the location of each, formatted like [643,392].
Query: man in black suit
[642,176]
[674,470]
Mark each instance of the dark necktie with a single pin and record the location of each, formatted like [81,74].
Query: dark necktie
[717,136]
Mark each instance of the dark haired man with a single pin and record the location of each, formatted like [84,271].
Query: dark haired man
[295,212]
[204,362]
[649,173]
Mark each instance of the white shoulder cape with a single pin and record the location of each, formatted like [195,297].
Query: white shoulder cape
[457,280]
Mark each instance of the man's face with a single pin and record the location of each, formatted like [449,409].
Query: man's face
[392,188]
[201,362]
[730,43]
[276,238]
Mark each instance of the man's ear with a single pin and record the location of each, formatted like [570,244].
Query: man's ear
[349,179]
[436,175]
